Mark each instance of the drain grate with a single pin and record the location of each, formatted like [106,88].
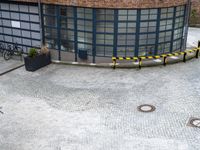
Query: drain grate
[146,108]
[194,122]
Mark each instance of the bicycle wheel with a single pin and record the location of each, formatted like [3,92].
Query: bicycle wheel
[1,49]
[7,55]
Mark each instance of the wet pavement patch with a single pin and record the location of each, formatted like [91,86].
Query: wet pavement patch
[194,122]
[146,108]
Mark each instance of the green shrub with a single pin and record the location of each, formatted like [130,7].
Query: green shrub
[194,13]
[32,52]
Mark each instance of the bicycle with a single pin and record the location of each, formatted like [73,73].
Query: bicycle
[2,48]
[13,50]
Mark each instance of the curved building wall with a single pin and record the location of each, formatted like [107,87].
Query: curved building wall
[115,32]
[101,32]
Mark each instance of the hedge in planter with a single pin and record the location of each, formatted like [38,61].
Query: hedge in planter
[36,60]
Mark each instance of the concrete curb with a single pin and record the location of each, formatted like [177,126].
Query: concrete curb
[12,69]
[122,65]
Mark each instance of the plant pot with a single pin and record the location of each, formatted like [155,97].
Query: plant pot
[37,62]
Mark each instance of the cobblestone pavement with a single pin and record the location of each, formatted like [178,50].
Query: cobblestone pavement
[10,64]
[79,108]
[193,37]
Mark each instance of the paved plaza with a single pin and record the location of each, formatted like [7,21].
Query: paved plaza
[64,107]
[193,37]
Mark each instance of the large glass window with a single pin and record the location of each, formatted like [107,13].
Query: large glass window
[50,26]
[19,23]
[126,32]
[67,28]
[147,39]
[178,29]
[165,30]
[153,35]
[85,29]
[104,32]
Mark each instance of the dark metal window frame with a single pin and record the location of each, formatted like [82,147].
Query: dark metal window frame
[115,21]
[24,46]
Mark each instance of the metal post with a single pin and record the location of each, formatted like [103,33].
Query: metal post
[94,34]
[173,28]
[184,30]
[197,53]
[75,33]
[140,63]
[184,57]
[157,31]
[114,63]
[40,10]
[137,38]
[58,31]
[115,32]
[165,60]
[187,18]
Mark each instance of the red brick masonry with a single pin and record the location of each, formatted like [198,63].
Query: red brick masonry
[115,3]
[195,13]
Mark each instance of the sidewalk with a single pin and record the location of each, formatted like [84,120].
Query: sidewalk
[12,64]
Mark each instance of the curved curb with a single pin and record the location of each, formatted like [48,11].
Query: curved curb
[164,58]
[123,65]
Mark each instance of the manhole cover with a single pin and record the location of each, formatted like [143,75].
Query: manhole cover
[195,122]
[146,108]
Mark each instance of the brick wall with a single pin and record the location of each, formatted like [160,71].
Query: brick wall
[195,13]
[115,3]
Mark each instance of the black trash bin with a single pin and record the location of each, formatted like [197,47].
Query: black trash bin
[82,54]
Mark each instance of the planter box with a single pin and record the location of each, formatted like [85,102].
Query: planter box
[32,64]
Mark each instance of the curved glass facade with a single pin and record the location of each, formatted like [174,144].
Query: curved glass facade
[114,32]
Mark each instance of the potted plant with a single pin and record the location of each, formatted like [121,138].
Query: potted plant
[37,59]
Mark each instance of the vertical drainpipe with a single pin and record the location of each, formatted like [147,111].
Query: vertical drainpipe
[94,35]
[75,33]
[157,31]
[173,27]
[187,18]
[58,31]
[115,32]
[137,38]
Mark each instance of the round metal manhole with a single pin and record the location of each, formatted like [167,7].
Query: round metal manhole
[195,123]
[146,108]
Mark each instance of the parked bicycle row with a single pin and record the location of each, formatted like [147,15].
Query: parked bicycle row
[9,50]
